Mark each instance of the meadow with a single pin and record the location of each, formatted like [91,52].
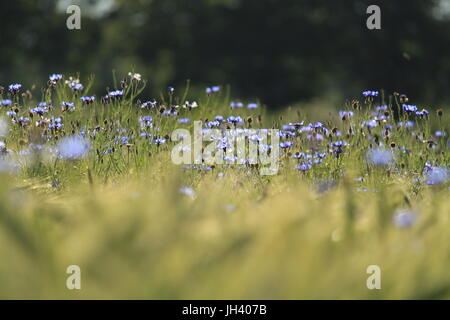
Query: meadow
[88,180]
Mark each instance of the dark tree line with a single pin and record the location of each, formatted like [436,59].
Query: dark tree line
[279,51]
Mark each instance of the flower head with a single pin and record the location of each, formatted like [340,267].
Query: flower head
[437,175]
[14,88]
[73,148]
[380,157]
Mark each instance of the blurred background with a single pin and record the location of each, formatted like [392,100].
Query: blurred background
[281,52]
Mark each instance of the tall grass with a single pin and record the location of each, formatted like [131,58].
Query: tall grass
[120,215]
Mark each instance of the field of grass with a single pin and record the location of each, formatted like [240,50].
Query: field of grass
[90,182]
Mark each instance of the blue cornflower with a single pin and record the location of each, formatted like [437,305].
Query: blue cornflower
[55,123]
[339,144]
[369,124]
[55,77]
[88,99]
[212,124]
[440,133]
[159,141]
[287,144]
[289,127]
[234,105]
[76,86]
[171,90]
[14,88]
[184,120]
[5,102]
[252,106]
[219,118]
[39,110]
[303,167]
[422,113]
[73,148]
[67,106]
[370,93]
[346,114]
[437,175]
[146,122]
[380,157]
[409,108]
[383,107]
[233,119]
[149,104]
[213,89]
[407,124]
[404,218]
[115,93]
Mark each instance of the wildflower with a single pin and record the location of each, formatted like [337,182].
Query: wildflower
[135,76]
[88,100]
[404,218]
[39,110]
[382,108]
[22,121]
[146,122]
[115,94]
[303,167]
[436,175]
[369,124]
[338,144]
[252,106]
[218,118]
[380,157]
[5,102]
[190,106]
[422,113]
[407,124]
[184,120]
[346,114]
[159,141]
[440,134]
[76,86]
[73,148]
[55,123]
[287,144]
[370,93]
[213,89]
[409,108]
[235,120]
[212,124]
[234,105]
[54,78]
[14,88]
[67,106]
[149,104]
[171,90]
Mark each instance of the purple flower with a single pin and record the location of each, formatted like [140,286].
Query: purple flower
[14,88]
[409,108]
[370,93]
[73,148]
[380,157]
[436,175]
[404,218]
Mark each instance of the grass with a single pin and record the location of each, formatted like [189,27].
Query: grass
[118,212]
